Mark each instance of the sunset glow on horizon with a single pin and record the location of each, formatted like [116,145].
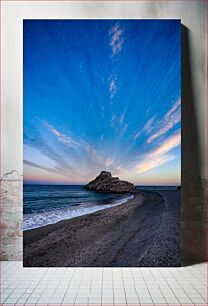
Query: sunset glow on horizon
[102,95]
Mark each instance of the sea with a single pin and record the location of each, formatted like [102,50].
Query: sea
[47,204]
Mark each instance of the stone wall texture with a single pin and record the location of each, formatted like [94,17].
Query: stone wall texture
[11,217]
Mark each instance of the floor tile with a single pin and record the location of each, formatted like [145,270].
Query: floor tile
[81,286]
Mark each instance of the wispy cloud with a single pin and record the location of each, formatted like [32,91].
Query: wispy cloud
[113,121]
[32,164]
[117,120]
[155,128]
[66,140]
[80,146]
[67,159]
[113,85]
[146,128]
[170,143]
[80,169]
[93,154]
[55,169]
[116,39]
[98,159]
[108,162]
[121,119]
[171,118]
[117,123]
[153,163]
[37,140]
[106,97]
[160,155]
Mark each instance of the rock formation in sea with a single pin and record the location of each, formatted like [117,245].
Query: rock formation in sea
[105,182]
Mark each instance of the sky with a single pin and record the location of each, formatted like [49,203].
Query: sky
[102,95]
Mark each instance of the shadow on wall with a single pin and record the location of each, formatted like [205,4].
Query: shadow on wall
[194,203]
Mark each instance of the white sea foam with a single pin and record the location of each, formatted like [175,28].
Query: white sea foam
[35,220]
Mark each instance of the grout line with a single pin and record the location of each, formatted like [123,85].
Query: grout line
[124,280]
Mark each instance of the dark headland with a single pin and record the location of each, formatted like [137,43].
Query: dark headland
[145,231]
[105,182]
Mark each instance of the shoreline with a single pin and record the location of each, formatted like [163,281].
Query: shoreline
[83,212]
[52,226]
[117,236]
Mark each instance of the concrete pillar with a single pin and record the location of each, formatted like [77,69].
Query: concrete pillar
[194,193]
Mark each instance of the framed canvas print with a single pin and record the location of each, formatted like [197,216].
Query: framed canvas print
[102,143]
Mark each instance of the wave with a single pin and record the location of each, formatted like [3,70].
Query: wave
[35,220]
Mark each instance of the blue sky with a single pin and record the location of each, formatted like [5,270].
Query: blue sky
[102,95]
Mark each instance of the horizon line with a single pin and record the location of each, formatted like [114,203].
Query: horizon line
[56,184]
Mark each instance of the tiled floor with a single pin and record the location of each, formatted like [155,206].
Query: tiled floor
[103,286]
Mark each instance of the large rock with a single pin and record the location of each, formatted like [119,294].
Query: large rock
[104,182]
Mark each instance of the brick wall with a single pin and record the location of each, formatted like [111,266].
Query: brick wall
[11,216]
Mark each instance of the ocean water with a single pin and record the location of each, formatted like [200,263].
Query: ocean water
[47,204]
[157,188]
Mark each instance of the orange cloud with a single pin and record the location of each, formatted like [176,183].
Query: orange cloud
[116,39]
[66,140]
[159,156]
[171,118]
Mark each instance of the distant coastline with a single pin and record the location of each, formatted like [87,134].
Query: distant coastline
[55,184]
